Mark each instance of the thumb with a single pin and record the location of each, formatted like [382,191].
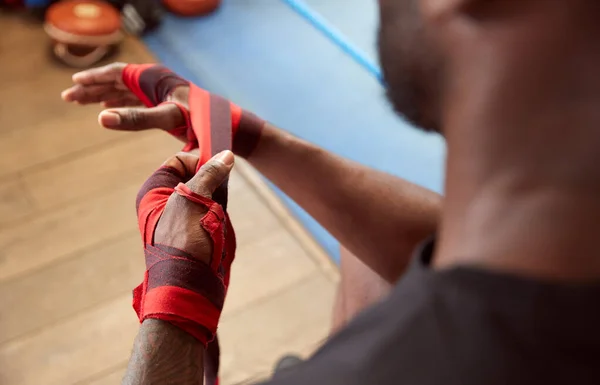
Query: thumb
[212,174]
[165,116]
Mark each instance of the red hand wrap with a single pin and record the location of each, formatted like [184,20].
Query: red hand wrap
[212,124]
[153,84]
[178,287]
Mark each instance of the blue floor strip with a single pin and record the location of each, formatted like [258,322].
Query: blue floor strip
[265,57]
[336,36]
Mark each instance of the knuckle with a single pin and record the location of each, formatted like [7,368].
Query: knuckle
[198,185]
[185,210]
[203,190]
[212,170]
[206,179]
[136,118]
[176,202]
[172,161]
[81,91]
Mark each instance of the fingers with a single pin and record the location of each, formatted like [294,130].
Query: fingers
[101,84]
[94,93]
[107,74]
[177,169]
[165,116]
[126,101]
[152,83]
[212,174]
[185,163]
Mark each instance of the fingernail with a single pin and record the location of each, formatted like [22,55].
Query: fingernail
[110,119]
[225,157]
[76,76]
[65,95]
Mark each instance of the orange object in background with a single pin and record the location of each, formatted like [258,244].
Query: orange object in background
[83,31]
[191,7]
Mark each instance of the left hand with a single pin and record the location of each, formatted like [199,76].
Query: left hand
[184,110]
[125,109]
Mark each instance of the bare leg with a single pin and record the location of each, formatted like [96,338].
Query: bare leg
[359,287]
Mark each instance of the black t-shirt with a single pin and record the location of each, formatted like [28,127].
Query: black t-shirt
[464,326]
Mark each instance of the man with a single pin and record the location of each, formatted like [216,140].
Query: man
[400,214]
[508,294]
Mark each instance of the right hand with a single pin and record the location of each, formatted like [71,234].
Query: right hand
[189,244]
[183,223]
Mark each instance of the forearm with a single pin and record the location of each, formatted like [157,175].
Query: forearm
[164,354]
[378,217]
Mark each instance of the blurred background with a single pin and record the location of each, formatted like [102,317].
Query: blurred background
[69,246]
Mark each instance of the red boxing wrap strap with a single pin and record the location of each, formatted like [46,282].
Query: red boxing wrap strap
[153,84]
[182,131]
[177,287]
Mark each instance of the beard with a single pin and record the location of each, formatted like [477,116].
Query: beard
[410,63]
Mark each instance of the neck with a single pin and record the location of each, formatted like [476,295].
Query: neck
[523,167]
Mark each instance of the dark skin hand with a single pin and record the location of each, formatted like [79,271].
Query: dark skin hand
[125,111]
[380,217]
[377,216]
[163,353]
[520,114]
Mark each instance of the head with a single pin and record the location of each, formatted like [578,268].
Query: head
[411,63]
[517,87]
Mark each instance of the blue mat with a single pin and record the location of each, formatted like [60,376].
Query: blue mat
[267,58]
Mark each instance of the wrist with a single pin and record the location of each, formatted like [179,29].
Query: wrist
[180,290]
[248,129]
[168,329]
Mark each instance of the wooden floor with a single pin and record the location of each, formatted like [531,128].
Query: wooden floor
[70,250]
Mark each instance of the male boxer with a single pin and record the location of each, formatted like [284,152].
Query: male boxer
[330,188]
[508,292]
[330,195]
